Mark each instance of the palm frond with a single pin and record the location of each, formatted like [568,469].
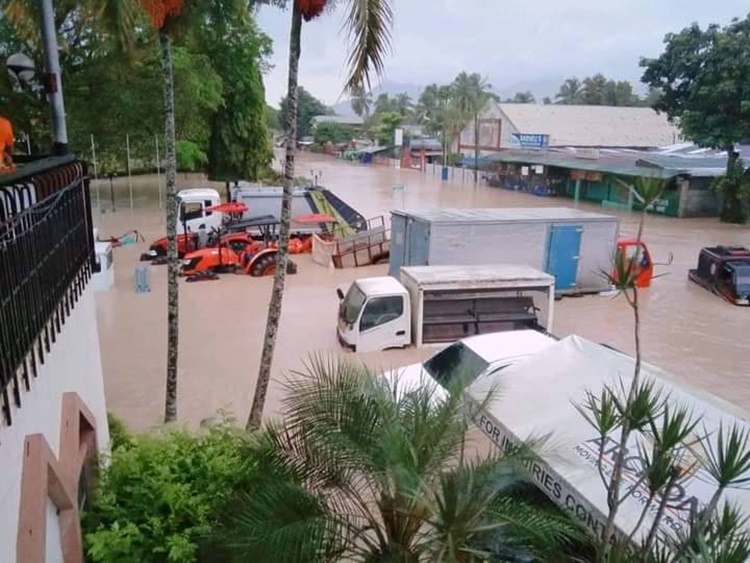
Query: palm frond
[368,25]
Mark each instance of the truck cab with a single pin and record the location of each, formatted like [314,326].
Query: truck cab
[374,314]
[725,271]
[192,209]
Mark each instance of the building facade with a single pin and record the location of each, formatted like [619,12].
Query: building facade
[504,126]
[53,418]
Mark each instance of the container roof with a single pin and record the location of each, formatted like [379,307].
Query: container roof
[198,192]
[478,275]
[538,397]
[504,214]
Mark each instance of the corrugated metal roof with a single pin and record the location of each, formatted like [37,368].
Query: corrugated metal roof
[504,214]
[593,126]
[608,163]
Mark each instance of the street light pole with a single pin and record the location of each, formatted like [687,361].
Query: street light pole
[52,79]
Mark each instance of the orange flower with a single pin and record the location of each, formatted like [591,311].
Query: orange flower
[311,8]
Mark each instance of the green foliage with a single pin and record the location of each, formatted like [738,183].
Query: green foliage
[702,75]
[522,98]
[190,156]
[386,129]
[239,144]
[363,468]
[329,132]
[111,93]
[161,494]
[599,90]
[307,107]
[734,188]
[272,118]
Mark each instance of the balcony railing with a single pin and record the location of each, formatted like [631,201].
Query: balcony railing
[46,257]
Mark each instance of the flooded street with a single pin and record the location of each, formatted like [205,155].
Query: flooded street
[686,330]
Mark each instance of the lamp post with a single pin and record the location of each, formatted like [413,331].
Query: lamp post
[52,79]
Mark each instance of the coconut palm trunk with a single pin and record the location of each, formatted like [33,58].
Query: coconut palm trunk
[173,309]
[277,292]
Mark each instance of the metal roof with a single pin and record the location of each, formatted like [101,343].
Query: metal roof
[593,126]
[504,214]
[621,161]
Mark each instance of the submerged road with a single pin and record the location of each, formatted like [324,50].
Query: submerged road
[686,330]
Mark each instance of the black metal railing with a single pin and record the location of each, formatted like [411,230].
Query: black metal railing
[46,256]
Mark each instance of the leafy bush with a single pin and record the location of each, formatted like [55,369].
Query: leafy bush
[160,494]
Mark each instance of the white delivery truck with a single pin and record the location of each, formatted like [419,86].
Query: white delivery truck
[439,304]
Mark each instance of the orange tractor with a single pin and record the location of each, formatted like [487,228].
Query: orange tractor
[632,253]
[238,252]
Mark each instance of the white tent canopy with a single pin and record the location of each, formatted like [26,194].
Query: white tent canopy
[536,397]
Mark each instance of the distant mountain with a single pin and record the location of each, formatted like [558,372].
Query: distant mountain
[385,87]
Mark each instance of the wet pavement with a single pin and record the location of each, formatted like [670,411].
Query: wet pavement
[686,330]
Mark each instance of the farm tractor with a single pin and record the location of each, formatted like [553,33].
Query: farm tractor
[237,252]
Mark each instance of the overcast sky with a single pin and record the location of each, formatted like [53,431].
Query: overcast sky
[510,41]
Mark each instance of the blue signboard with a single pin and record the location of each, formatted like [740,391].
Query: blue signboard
[531,140]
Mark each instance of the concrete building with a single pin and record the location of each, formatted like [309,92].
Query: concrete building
[504,126]
[53,417]
[606,175]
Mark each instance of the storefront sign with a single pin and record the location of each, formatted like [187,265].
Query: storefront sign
[590,175]
[531,140]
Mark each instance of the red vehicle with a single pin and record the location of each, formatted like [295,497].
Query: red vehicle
[236,252]
[629,249]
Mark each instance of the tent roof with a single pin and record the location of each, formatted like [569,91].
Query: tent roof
[536,398]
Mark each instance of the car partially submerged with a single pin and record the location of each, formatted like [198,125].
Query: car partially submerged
[724,271]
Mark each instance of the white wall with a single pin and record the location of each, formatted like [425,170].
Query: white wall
[73,364]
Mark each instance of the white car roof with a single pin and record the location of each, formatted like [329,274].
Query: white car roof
[497,346]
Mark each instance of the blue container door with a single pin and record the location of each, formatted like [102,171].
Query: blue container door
[563,254]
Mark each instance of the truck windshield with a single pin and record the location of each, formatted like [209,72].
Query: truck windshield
[456,361]
[352,304]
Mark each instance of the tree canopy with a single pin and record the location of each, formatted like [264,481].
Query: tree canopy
[111,93]
[598,90]
[308,106]
[704,75]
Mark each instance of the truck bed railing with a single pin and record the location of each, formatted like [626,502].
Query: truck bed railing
[362,248]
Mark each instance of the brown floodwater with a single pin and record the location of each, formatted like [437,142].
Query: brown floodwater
[686,330]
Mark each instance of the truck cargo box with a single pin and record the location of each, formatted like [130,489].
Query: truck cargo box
[574,246]
[453,302]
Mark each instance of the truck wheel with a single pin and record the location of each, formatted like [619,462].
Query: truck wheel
[265,266]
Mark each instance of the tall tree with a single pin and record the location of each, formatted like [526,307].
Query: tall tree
[404,104]
[239,145]
[594,90]
[704,78]
[308,106]
[522,98]
[571,92]
[361,101]
[368,24]
[472,92]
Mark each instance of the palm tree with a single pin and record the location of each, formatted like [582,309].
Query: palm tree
[361,101]
[368,25]
[404,104]
[472,93]
[571,92]
[168,18]
[364,468]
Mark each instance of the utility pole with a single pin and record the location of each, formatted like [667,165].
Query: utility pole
[52,78]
